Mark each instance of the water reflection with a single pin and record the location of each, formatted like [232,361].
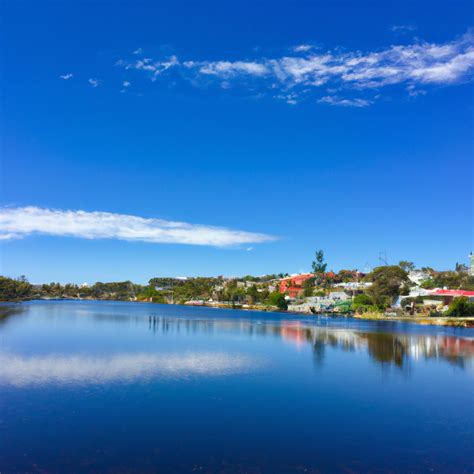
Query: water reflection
[9,310]
[380,342]
[23,370]
[386,348]
[393,348]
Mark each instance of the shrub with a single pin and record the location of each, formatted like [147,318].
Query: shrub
[361,301]
[278,300]
[460,307]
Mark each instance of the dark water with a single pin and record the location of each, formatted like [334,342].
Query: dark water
[127,387]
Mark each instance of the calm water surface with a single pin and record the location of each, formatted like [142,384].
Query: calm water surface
[127,387]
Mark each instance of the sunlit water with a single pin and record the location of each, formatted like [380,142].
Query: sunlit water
[129,387]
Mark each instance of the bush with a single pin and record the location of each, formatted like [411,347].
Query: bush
[433,313]
[369,308]
[460,307]
[360,301]
[278,300]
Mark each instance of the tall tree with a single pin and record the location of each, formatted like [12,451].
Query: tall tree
[319,267]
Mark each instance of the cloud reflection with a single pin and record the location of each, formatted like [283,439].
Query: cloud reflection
[20,371]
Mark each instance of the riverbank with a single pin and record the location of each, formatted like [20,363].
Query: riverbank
[466,322]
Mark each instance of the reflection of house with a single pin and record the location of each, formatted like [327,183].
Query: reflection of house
[293,285]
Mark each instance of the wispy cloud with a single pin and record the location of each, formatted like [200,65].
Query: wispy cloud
[20,222]
[301,48]
[94,82]
[67,76]
[231,69]
[403,28]
[308,72]
[125,86]
[335,100]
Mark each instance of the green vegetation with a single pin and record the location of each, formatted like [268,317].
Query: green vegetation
[319,267]
[406,265]
[387,284]
[14,290]
[460,307]
[308,287]
[453,280]
[362,303]
[277,299]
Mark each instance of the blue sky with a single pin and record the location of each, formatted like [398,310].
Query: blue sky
[265,130]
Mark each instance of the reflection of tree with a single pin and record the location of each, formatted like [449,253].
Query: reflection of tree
[383,347]
[319,351]
[6,311]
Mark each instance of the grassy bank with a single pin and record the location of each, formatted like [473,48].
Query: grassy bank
[436,321]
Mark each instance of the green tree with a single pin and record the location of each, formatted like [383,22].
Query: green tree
[387,282]
[252,295]
[13,290]
[277,299]
[318,265]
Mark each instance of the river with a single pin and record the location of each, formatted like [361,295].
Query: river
[133,387]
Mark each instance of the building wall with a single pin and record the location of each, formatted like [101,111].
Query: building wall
[294,285]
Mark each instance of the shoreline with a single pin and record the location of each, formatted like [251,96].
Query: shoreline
[460,322]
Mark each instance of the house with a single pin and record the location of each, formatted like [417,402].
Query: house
[293,285]
[338,296]
[418,276]
[449,295]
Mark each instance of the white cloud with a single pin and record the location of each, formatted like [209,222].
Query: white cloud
[403,28]
[138,51]
[229,68]
[334,100]
[67,76]
[126,83]
[155,68]
[19,370]
[24,221]
[94,82]
[306,70]
[302,48]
